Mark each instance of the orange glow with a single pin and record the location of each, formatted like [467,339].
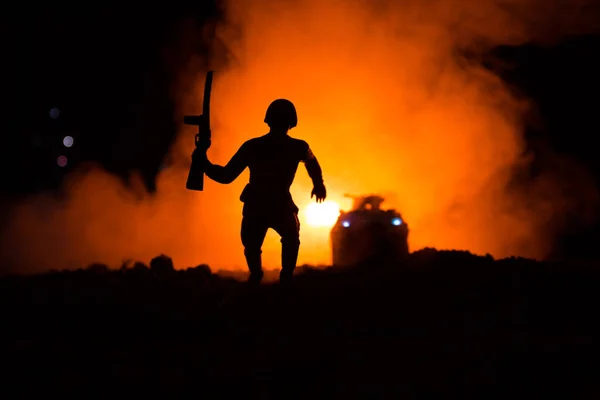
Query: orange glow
[385,101]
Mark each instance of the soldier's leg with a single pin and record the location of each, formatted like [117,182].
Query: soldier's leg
[288,227]
[253,232]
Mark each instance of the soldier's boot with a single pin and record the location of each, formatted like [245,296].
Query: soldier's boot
[289,258]
[254,261]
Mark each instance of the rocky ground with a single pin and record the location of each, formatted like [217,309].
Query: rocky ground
[445,323]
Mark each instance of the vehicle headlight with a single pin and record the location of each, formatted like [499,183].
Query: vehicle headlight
[396,221]
[345,224]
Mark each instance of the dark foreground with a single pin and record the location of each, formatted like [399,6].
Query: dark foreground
[448,323]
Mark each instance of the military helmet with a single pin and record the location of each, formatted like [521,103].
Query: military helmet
[282,110]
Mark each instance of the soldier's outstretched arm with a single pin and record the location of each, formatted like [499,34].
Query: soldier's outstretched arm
[314,171]
[316,175]
[228,173]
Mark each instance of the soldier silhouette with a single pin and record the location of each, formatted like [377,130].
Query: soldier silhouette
[273,160]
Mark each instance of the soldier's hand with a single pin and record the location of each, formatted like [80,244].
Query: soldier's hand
[319,192]
[203,142]
[199,155]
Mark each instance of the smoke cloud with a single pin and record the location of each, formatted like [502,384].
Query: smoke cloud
[388,102]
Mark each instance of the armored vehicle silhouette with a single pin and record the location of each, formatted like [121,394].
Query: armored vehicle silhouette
[368,233]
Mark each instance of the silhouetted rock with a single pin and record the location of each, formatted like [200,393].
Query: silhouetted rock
[98,268]
[126,265]
[139,267]
[423,256]
[162,265]
[200,270]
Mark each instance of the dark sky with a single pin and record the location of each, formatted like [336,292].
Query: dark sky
[564,82]
[109,75]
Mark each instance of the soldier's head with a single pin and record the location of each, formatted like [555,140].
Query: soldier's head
[281,116]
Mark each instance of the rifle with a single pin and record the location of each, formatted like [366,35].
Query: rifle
[195,180]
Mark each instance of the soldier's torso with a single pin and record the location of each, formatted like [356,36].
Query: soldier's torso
[273,162]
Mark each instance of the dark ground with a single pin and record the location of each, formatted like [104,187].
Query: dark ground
[446,323]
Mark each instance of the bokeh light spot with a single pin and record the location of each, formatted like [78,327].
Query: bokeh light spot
[61,161]
[54,113]
[68,141]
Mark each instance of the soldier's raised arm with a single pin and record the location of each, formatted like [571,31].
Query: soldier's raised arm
[228,173]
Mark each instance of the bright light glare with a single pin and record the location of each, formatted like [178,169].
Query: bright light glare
[68,141]
[322,214]
[397,221]
[345,224]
